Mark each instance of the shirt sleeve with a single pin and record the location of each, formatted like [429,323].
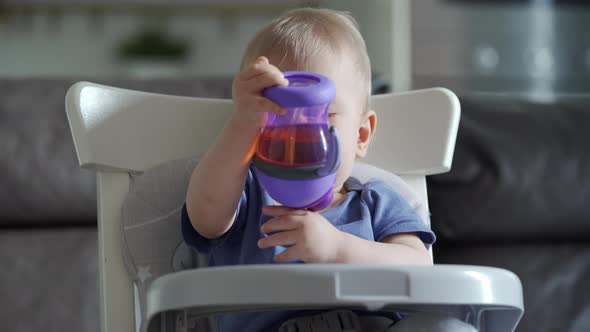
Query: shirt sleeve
[391,214]
[205,245]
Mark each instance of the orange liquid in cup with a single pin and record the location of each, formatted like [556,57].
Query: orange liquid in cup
[297,145]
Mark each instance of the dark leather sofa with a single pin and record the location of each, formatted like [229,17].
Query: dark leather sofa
[518,197]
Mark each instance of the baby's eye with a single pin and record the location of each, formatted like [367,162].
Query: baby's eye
[331,114]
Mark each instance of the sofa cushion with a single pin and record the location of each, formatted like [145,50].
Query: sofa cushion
[521,171]
[41,183]
[40,180]
[49,280]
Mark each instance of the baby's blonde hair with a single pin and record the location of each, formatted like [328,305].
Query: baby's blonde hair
[303,33]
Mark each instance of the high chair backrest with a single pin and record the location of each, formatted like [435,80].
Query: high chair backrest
[117,132]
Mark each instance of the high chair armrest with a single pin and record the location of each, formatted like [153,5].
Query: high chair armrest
[489,298]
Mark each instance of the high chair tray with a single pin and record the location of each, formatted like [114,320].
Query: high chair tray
[490,298]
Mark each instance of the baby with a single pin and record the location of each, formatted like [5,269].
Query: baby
[228,215]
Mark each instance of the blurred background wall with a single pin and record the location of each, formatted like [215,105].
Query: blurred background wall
[128,38]
[532,47]
[150,39]
[535,48]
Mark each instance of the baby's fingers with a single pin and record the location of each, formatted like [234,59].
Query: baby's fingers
[278,239]
[262,59]
[266,80]
[288,255]
[258,68]
[279,210]
[267,105]
[279,224]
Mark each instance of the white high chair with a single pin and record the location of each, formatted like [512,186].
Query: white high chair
[119,132]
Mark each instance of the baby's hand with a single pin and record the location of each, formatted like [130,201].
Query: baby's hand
[247,87]
[309,237]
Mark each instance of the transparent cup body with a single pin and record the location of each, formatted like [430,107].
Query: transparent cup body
[297,138]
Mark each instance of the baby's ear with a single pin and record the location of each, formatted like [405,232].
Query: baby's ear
[366,133]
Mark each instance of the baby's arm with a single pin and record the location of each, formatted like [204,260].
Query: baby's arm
[402,248]
[217,182]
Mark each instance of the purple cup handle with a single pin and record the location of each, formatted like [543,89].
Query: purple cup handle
[333,157]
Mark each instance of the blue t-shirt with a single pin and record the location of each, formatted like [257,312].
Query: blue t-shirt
[371,211]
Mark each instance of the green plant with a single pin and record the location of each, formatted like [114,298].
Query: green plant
[153,44]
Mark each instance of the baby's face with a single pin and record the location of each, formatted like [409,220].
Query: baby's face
[346,111]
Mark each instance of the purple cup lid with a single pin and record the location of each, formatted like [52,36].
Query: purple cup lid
[304,89]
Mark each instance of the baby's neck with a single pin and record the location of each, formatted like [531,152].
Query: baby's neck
[339,196]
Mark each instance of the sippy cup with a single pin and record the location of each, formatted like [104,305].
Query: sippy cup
[298,153]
